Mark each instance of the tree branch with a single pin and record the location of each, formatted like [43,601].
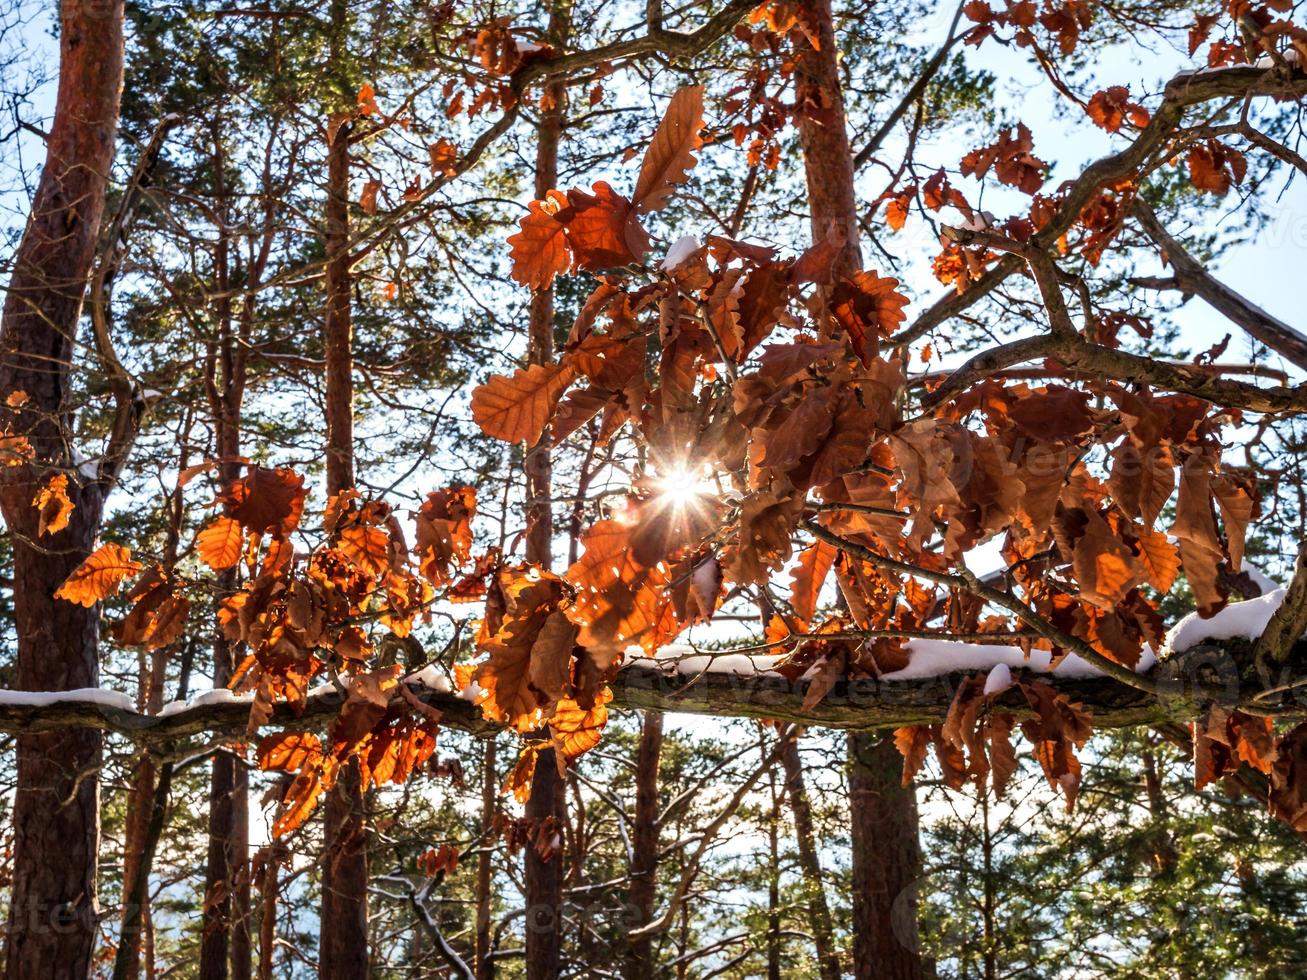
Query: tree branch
[1191,277]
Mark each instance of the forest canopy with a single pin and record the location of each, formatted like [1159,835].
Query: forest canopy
[612,489]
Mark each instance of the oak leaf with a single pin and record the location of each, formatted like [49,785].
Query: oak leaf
[517,408]
[539,251]
[670,155]
[220,543]
[603,230]
[266,500]
[99,576]
[869,307]
[813,566]
[53,506]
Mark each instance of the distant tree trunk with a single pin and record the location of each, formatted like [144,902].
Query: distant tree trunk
[53,912]
[886,854]
[644,846]
[343,942]
[774,881]
[823,933]
[135,922]
[224,943]
[484,966]
[886,863]
[544,875]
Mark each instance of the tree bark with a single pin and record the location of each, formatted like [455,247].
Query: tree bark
[483,964]
[644,846]
[886,863]
[224,943]
[343,943]
[886,853]
[53,910]
[819,917]
[544,877]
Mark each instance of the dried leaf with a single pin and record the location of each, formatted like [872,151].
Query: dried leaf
[670,155]
[99,576]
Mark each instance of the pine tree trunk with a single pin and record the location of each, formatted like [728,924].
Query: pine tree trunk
[484,966]
[53,910]
[544,876]
[886,863]
[225,915]
[886,854]
[644,846]
[823,933]
[343,943]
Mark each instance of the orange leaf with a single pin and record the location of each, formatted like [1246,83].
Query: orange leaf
[367,547]
[1160,558]
[576,731]
[670,156]
[289,751]
[814,565]
[99,576]
[517,408]
[54,506]
[603,230]
[267,500]
[540,250]
[220,543]
[868,307]
[367,100]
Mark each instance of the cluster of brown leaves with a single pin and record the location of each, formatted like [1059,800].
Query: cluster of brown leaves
[975,740]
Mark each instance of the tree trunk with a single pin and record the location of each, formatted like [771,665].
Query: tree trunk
[142,801]
[484,966]
[824,137]
[343,944]
[644,846]
[823,933]
[53,911]
[886,853]
[544,877]
[886,863]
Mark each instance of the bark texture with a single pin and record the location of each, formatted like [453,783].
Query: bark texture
[819,917]
[53,912]
[884,823]
[343,943]
[544,874]
[644,846]
[886,863]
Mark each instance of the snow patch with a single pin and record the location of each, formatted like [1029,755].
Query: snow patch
[932,658]
[219,695]
[82,695]
[1241,620]
[682,249]
[999,680]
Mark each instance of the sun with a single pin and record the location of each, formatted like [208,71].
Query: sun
[682,486]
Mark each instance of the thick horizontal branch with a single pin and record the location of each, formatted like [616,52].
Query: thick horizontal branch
[1182,686]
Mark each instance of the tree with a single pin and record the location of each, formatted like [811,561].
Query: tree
[53,909]
[794,486]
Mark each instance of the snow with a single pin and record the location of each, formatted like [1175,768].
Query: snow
[82,695]
[999,679]
[931,658]
[219,695]
[681,658]
[1290,55]
[682,249]
[1262,581]
[927,658]
[1245,620]
[526,47]
[432,678]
